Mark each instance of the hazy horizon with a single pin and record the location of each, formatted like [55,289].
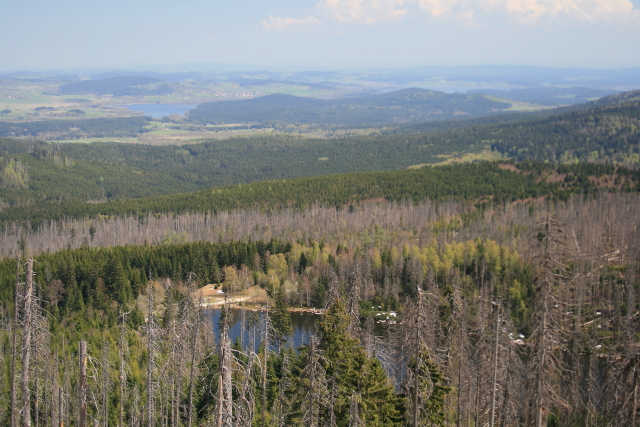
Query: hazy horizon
[328,34]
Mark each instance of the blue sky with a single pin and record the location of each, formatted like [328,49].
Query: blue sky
[65,34]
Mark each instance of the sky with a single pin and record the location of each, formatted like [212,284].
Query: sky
[318,34]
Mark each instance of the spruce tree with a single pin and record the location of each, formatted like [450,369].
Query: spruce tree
[356,374]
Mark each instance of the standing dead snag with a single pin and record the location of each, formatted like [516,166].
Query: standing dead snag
[547,334]
[28,316]
[151,329]
[82,386]
[14,348]
[314,384]
[265,346]
[246,399]
[122,352]
[425,382]
[281,404]
[224,411]
[193,315]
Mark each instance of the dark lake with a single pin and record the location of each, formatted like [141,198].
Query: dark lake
[160,110]
[304,324]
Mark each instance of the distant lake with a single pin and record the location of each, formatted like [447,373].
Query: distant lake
[304,324]
[160,110]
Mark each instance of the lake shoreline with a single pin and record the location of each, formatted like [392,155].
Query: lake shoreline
[261,308]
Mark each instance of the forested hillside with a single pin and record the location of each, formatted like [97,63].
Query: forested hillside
[471,183]
[118,86]
[75,128]
[605,131]
[407,105]
[37,172]
[485,293]
[463,287]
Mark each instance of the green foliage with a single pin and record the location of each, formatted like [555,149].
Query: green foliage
[49,175]
[355,373]
[13,173]
[467,182]
[281,318]
[432,390]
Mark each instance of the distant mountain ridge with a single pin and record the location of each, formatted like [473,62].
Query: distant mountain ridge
[406,105]
[118,86]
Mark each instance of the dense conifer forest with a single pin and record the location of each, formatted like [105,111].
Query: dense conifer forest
[487,293]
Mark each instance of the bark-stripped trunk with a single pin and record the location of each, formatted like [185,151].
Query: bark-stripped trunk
[82,389]
[151,349]
[224,412]
[105,384]
[494,383]
[192,370]
[265,345]
[540,380]
[14,349]
[121,354]
[26,346]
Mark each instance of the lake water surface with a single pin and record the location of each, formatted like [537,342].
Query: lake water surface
[160,110]
[304,324]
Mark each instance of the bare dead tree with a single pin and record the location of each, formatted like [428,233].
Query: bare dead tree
[281,404]
[41,355]
[268,334]
[152,348]
[82,384]
[27,326]
[458,336]
[224,411]
[246,398]
[354,411]
[313,385]
[193,317]
[545,366]
[333,293]
[494,384]
[356,283]
[14,347]
[105,382]
[421,320]
[123,347]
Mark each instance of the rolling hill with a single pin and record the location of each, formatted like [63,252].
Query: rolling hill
[407,105]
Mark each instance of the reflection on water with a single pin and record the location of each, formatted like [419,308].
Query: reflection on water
[304,324]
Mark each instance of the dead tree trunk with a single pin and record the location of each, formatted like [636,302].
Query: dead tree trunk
[416,380]
[14,349]
[494,383]
[26,346]
[105,384]
[122,374]
[151,352]
[224,412]
[82,389]
[194,309]
[265,344]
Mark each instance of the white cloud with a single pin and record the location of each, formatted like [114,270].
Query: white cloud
[471,11]
[277,23]
[363,11]
[533,10]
